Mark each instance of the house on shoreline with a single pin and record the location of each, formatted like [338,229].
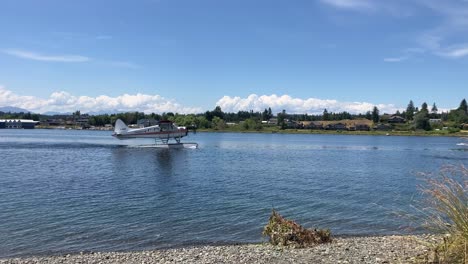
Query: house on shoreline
[394,119]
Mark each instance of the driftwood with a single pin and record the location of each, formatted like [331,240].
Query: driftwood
[286,232]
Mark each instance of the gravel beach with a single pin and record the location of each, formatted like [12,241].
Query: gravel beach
[382,249]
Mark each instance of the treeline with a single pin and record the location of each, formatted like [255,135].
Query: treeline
[418,118]
[22,115]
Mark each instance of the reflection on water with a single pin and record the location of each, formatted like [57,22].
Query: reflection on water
[156,161]
[165,159]
[71,191]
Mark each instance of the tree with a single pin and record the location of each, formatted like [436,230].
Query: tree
[421,119]
[218,112]
[185,120]
[202,122]
[218,123]
[463,106]
[434,109]
[208,115]
[35,117]
[281,118]
[252,123]
[458,116]
[444,116]
[368,115]
[375,115]
[265,115]
[76,114]
[410,110]
[424,107]
[325,116]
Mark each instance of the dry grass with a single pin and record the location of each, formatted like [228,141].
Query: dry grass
[286,232]
[447,195]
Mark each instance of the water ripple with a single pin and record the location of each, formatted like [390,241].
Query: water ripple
[71,191]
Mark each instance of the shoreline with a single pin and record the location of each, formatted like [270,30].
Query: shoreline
[365,249]
[463,134]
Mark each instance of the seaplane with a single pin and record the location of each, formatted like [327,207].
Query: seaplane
[162,133]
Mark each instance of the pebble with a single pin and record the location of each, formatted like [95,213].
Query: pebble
[388,249]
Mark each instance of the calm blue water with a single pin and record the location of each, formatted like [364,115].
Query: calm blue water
[69,191]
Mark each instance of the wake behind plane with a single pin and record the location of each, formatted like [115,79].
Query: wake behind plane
[162,133]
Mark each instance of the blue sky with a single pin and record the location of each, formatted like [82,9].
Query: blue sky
[189,56]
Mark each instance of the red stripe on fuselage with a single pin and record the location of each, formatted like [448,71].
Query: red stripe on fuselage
[182,133]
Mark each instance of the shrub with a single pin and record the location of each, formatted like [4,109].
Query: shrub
[285,232]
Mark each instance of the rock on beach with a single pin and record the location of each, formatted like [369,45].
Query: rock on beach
[380,249]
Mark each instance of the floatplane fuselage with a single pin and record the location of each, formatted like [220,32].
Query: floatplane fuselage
[161,133]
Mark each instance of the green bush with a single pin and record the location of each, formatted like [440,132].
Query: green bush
[453,130]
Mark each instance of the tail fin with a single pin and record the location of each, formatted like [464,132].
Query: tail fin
[120,127]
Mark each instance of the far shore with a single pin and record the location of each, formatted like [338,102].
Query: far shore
[463,133]
[377,249]
[441,133]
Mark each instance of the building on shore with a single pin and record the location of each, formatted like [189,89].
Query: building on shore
[394,119]
[18,123]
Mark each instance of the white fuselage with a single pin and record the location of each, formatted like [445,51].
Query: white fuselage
[164,130]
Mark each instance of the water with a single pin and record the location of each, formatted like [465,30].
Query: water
[65,191]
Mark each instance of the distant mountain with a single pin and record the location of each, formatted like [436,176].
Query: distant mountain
[13,109]
[50,113]
[105,112]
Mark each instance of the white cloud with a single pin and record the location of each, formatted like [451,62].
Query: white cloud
[68,58]
[297,105]
[41,57]
[395,59]
[448,27]
[66,102]
[350,4]
[436,41]
[446,38]
[429,41]
[455,51]
[394,8]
